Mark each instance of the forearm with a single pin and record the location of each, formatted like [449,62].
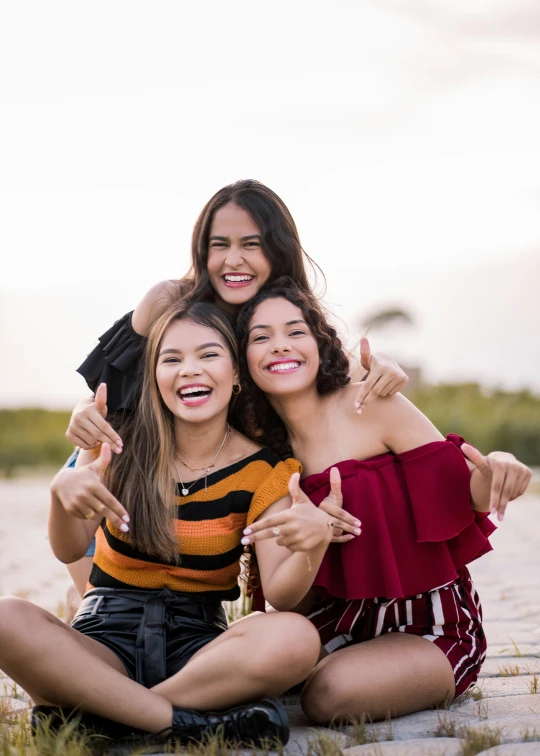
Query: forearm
[154,303]
[69,537]
[293,577]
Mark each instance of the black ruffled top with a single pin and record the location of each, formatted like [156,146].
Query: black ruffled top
[117,361]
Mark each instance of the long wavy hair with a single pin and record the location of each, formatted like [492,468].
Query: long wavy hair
[254,413]
[279,235]
[142,476]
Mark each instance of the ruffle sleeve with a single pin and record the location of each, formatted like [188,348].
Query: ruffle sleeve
[116,361]
[273,488]
[418,526]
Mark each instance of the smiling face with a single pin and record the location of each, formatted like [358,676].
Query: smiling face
[195,372]
[282,353]
[237,265]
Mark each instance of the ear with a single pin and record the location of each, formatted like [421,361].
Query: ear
[236,377]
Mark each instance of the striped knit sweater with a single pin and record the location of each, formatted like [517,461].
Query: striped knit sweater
[209,526]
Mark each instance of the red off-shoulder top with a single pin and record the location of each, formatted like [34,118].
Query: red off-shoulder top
[418,527]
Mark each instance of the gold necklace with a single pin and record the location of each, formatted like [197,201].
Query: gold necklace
[186,489]
[207,468]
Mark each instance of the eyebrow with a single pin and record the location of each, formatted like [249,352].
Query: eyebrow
[197,349]
[243,238]
[288,323]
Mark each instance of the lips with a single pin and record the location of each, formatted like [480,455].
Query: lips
[194,394]
[236,280]
[283,366]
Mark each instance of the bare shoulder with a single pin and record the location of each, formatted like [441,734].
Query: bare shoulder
[154,303]
[402,424]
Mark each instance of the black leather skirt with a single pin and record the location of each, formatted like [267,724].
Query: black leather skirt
[153,633]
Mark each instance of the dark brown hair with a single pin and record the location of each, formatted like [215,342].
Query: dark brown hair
[279,236]
[253,412]
[142,477]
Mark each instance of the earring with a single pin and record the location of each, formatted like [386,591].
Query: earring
[236,389]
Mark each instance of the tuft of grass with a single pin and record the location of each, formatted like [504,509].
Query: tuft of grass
[476,741]
[446,728]
[517,650]
[533,684]
[323,744]
[509,671]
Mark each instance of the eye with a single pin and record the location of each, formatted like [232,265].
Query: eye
[298,333]
[253,244]
[210,354]
[217,245]
[171,359]
[260,337]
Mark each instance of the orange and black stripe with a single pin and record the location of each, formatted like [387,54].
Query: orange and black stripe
[209,526]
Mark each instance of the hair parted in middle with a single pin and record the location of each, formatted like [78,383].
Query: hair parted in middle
[256,417]
[279,236]
[142,477]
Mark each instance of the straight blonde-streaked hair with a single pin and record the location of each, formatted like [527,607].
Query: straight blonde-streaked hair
[142,478]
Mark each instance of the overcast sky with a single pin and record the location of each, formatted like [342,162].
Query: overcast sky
[403,135]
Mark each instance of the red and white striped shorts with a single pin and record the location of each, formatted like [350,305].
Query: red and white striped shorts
[450,617]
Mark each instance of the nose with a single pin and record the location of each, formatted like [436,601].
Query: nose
[280,346]
[234,257]
[190,366]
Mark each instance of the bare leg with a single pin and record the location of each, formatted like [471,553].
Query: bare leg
[391,675]
[259,656]
[56,664]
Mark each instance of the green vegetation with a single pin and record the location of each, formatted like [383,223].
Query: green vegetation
[32,438]
[509,421]
[489,420]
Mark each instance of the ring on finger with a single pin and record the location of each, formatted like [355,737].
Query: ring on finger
[90,516]
[331,524]
[276,531]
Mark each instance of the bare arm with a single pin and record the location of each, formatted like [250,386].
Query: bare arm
[289,561]
[155,302]
[495,479]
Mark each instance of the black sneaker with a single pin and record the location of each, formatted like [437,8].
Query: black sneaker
[53,718]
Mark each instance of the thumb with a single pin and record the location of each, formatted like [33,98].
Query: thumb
[103,461]
[365,353]
[101,399]
[295,491]
[335,486]
[474,456]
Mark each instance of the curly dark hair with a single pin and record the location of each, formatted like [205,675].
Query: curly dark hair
[254,414]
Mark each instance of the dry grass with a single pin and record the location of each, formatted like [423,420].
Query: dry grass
[509,671]
[533,684]
[476,741]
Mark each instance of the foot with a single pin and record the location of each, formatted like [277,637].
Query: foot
[50,719]
[258,724]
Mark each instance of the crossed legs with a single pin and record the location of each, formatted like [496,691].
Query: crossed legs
[57,665]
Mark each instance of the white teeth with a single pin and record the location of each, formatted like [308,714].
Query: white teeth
[284,366]
[238,278]
[193,390]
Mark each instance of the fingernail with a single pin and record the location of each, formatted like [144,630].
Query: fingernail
[357,405]
[118,449]
[120,442]
[245,541]
[357,523]
[501,517]
[125,518]
[357,531]
[124,528]
[359,411]
[493,511]
[248,531]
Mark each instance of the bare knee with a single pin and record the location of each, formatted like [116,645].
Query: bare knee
[17,614]
[321,694]
[299,641]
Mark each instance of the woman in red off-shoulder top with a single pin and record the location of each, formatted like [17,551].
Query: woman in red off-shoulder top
[399,619]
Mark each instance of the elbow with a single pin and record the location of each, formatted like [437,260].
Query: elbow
[279,602]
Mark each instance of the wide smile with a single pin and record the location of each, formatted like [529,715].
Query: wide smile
[194,395]
[283,366]
[237,280]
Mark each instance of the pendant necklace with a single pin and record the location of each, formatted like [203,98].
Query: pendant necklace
[205,470]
